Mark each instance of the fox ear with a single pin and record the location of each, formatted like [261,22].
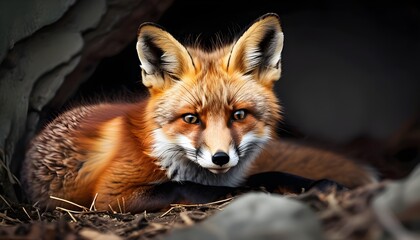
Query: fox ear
[163,59]
[258,51]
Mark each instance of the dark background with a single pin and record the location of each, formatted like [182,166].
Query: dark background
[350,69]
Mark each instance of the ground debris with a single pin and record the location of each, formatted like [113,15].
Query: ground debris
[344,214]
[21,221]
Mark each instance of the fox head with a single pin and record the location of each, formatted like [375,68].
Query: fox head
[212,110]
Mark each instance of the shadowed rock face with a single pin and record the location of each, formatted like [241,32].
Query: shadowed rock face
[47,49]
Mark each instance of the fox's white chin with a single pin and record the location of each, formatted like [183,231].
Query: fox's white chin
[218,170]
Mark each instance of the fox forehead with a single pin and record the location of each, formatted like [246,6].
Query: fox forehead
[214,60]
[212,94]
[212,83]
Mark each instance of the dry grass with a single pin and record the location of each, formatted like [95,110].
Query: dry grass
[343,214]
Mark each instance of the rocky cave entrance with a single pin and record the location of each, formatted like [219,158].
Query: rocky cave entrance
[354,30]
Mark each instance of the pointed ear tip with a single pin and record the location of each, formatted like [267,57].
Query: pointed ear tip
[270,14]
[148,26]
[270,17]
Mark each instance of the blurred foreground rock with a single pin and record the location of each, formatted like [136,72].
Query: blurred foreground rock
[257,216]
[398,208]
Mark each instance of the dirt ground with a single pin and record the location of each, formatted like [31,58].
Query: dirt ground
[343,214]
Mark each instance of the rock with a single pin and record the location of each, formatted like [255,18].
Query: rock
[47,49]
[39,55]
[256,216]
[398,207]
[21,18]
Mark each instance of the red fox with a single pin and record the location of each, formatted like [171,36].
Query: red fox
[208,116]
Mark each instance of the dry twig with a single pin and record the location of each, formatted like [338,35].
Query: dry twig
[70,202]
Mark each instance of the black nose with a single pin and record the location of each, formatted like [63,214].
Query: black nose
[220,158]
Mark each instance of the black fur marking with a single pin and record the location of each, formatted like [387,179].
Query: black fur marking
[153,52]
[149,24]
[192,61]
[174,173]
[113,194]
[294,183]
[266,46]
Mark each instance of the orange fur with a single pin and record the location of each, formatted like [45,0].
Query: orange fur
[314,163]
[208,116]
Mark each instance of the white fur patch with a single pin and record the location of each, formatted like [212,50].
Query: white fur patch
[277,49]
[170,62]
[251,145]
[185,143]
[253,57]
[145,64]
[161,147]
[178,157]
[251,138]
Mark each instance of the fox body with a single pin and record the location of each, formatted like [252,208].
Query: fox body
[208,116]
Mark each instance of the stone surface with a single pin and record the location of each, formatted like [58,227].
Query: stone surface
[47,48]
[257,216]
[398,207]
[117,28]
[22,18]
[17,83]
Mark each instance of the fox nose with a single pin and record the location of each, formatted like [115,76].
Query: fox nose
[220,158]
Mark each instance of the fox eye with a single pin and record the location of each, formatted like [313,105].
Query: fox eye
[239,114]
[190,118]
